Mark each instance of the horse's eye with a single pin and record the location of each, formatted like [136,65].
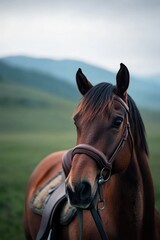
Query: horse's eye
[117,122]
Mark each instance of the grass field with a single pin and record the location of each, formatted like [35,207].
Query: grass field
[153,137]
[27,135]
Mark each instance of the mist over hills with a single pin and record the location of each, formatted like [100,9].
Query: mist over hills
[58,77]
[36,80]
[63,69]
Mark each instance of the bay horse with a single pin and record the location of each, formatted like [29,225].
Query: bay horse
[108,169]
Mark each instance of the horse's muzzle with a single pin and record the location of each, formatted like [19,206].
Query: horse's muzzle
[81,196]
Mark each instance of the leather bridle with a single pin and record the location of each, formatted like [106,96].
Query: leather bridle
[104,165]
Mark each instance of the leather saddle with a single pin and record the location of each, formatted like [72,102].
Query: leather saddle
[51,202]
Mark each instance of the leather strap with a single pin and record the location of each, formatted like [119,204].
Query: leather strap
[49,213]
[67,162]
[80,218]
[121,143]
[120,100]
[99,224]
[94,153]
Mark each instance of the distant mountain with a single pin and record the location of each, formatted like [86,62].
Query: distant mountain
[48,74]
[37,80]
[63,69]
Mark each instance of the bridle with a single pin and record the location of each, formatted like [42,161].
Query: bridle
[104,164]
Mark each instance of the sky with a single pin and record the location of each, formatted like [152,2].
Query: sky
[100,32]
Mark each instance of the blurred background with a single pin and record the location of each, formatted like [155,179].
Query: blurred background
[42,44]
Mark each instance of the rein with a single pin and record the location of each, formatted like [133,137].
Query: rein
[105,166]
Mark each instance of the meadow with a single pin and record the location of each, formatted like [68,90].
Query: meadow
[29,133]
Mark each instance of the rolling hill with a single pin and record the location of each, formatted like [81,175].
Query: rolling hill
[63,69]
[36,80]
[29,110]
[30,101]
[58,77]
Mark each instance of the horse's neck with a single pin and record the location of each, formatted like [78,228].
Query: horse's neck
[148,195]
[132,194]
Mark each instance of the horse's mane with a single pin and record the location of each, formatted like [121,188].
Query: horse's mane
[99,99]
[137,123]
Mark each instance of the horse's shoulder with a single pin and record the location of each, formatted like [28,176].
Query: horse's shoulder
[53,158]
[47,168]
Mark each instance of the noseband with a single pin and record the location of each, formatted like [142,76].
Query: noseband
[103,163]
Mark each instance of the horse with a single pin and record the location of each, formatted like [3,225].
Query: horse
[108,169]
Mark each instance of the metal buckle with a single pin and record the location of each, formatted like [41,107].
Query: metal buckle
[101,204]
[102,178]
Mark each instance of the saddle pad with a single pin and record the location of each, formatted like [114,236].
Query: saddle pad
[41,197]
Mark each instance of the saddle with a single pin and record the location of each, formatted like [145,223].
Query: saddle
[51,203]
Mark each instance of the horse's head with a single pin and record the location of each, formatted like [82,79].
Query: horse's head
[103,147]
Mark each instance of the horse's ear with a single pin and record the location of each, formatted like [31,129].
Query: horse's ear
[82,82]
[122,81]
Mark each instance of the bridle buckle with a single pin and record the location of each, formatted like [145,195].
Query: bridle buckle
[104,176]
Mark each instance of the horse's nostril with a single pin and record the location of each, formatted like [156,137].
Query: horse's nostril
[81,195]
[83,190]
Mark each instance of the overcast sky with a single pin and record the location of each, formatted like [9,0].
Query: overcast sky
[102,32]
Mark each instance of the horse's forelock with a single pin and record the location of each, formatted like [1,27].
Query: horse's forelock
[96,102]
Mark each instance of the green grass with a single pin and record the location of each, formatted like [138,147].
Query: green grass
[154,162]
[152,124]
[29,133]
[29,130]
[19,155]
